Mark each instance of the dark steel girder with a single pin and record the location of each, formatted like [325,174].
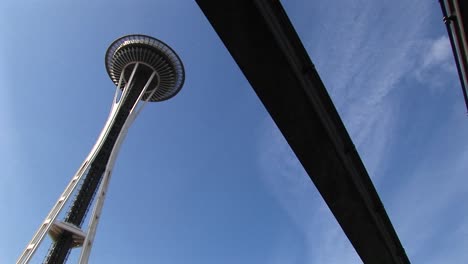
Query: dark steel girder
[263,42]
[455,14]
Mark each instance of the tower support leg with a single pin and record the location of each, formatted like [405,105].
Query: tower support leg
[64,244]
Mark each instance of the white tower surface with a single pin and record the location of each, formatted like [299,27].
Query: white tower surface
[143,69]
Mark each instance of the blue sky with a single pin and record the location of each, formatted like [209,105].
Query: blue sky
[206,177]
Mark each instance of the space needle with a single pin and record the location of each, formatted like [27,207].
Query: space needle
[144,69]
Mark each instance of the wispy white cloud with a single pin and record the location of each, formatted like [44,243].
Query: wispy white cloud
[291,186]
[440,52]
[365,57]
[362,57]
[435,62]
[429,208]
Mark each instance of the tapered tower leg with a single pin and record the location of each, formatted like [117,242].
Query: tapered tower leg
[121,116]
[137,107]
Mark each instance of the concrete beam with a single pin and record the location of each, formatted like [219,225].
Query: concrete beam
[262,41]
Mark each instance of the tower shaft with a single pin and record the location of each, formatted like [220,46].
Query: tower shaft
[77,212]
[97,167]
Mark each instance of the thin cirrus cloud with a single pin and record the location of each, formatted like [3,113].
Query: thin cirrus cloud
[440,52]
[284,176]
[371,63]
[429,208]
[362,57]
[436,62]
